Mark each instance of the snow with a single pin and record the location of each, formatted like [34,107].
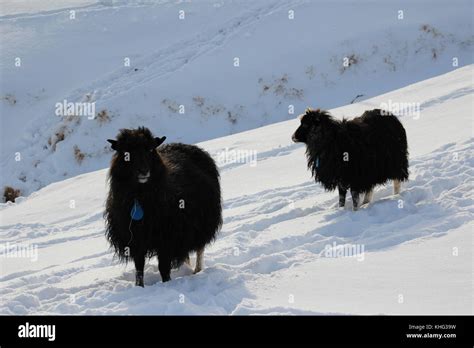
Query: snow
[190,62]
[14,8]
[273,255]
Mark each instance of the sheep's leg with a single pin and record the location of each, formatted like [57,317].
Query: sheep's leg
[368,196]
[164,265]
[139,266]
[342,195]
[199,260]
[396,186]
[187,261]
[355,200]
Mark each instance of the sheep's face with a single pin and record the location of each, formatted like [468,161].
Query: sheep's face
[136,156]
[310,121]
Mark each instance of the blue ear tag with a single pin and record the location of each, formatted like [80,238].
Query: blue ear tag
[317,162]
[137,212]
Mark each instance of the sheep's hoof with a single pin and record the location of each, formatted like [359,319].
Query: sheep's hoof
[197,270]
[165,279]
[139,280]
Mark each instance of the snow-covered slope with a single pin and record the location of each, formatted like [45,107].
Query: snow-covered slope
[280,230]
[190,63]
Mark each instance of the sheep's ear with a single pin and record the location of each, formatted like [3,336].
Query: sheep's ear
[159,141]
[114,144]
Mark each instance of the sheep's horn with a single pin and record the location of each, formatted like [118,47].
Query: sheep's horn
[159,141]
[113,142]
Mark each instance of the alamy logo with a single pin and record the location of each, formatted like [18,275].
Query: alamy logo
[401,109]
[346,250]
[29,251]
[66,108]
[237,156]
[37,331]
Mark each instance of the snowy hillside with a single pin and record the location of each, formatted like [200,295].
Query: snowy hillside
[280,230]
[194,71]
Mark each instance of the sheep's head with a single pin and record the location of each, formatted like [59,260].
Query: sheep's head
[136,158]
[311,120]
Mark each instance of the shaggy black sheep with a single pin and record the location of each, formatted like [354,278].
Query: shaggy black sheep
[356,154]
[163,201]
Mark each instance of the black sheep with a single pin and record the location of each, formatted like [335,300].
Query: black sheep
[356,154]
[162,201]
